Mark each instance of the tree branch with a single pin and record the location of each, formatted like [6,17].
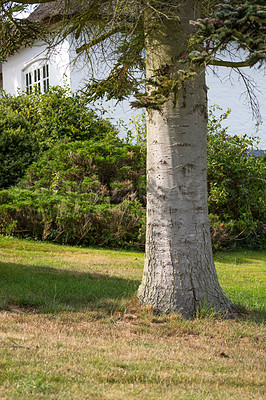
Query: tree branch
[103,37]
[233,64]
[27,2]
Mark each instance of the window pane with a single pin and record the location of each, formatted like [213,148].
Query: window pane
[37,80]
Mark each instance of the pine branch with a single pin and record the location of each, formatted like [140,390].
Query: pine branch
[102,38]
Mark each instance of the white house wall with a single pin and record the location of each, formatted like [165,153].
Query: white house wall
[81,70]
[225,90]
[16,65]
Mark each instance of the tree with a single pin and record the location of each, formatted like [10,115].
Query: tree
[179,273]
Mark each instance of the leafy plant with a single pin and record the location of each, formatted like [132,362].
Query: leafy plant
[236,186]
[93,192]
[31,124]
[90,193]
[108,170]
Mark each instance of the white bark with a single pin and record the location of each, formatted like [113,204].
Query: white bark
[179,273]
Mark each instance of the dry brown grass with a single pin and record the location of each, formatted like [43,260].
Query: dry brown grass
[133,355]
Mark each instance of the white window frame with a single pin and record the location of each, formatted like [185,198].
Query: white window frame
[45,77]
[36,76]
[29,83]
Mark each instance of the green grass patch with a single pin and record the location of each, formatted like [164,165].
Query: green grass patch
[51,290]
[51,278]
[243,277]
[71,329]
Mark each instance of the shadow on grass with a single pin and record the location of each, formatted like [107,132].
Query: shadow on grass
[254,314]
[49,290]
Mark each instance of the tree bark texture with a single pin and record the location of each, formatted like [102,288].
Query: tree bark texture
[179,273]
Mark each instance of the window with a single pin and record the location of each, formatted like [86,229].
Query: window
[29,82]
[1,76]
[45,75]
[37,80]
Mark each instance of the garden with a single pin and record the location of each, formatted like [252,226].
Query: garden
[72,225]
[67,177]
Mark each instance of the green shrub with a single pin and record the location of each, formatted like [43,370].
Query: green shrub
[93,193]
[236,187]
[71,219]
[31,124]
[107,171]
[89,193]
[18,150]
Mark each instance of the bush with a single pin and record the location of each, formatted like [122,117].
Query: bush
[93,193]
[31,124]
[106,171]
[71,220]
[89,193]
[236,187]
[18,150]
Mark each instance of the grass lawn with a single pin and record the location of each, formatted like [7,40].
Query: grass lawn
[71,328]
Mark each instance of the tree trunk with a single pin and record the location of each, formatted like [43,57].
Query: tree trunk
[179,273]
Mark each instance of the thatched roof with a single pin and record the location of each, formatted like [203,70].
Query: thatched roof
[55,10]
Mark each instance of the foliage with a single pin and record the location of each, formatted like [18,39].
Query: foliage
[71,220]
[93,192]
[236,187]
[30,124]
[86,193]
[18,148]
[110,169]
[15,32]
[243,21]
[238,22]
